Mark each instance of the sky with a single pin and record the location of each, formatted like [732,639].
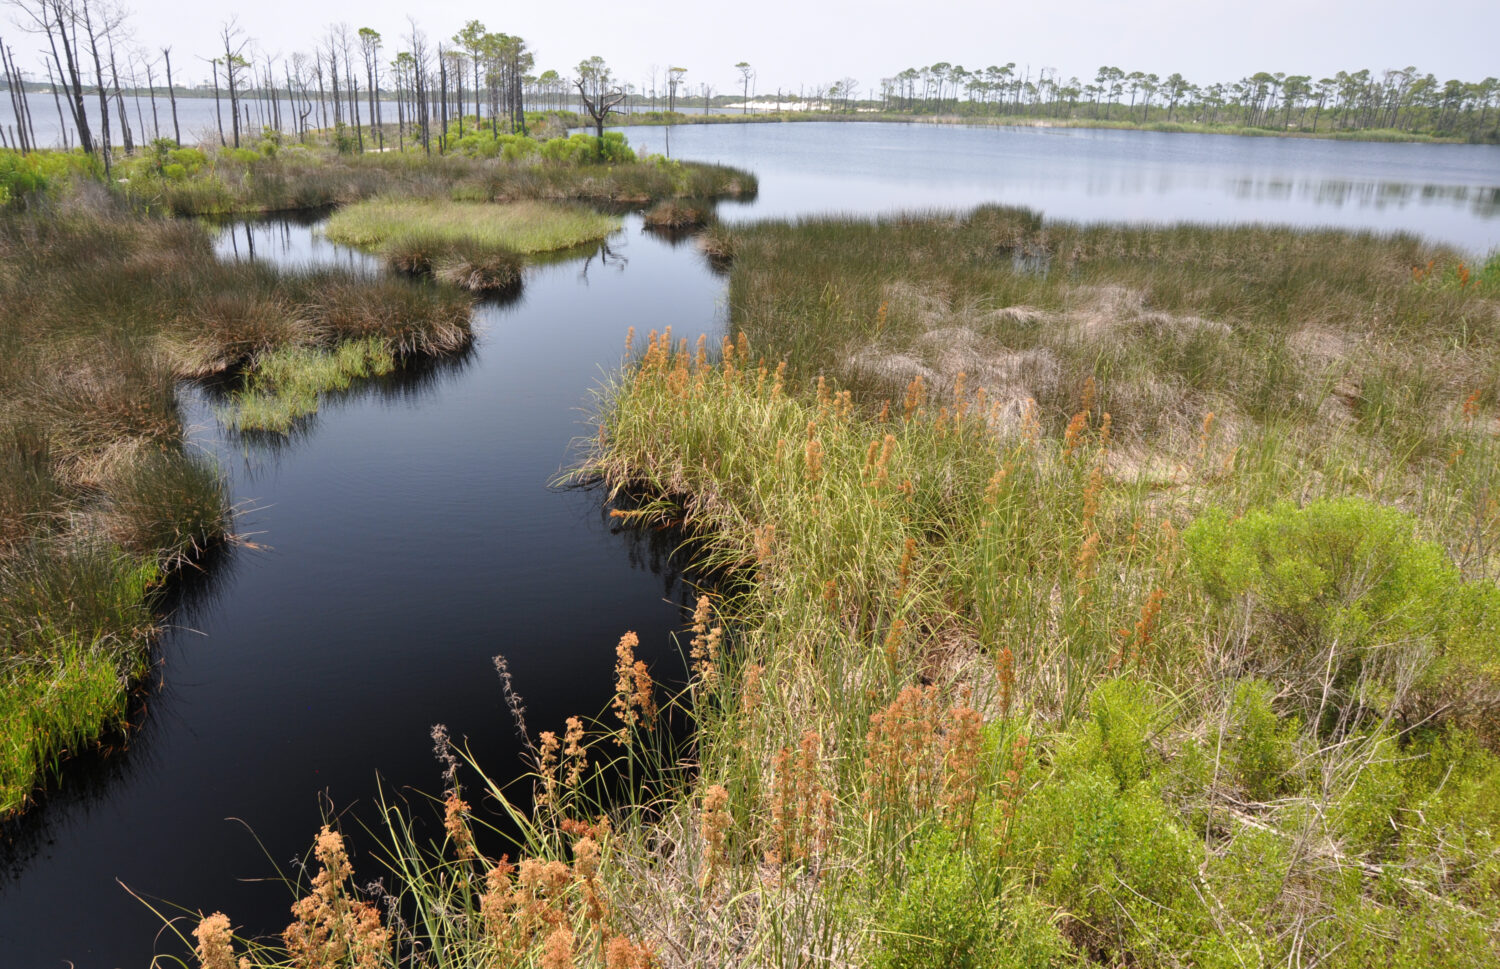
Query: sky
[791,43]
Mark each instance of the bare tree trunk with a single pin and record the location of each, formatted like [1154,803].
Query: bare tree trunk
[103,92]
[231,71]
[322,97]
[114,76]
[400,114]
[151,88]
[333,83]
[71,78]
[370,88]
[172,93]
[443,99]
[17,96]
[351,80]
[218,111]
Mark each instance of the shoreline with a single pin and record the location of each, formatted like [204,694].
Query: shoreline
[1379,135]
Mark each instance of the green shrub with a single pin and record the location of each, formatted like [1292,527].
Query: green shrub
[615,149]
[21,175]
[1115,736]
[583,149]
[518,147]
[1349,614]
[190,159]
[948,914]
[243,156]
[1120,863]
[1258,746]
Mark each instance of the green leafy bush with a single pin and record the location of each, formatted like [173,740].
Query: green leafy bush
[18,175]
[949,914]
[582,149]
[1350,615]
[191,159]
[1258,745]
[242,155]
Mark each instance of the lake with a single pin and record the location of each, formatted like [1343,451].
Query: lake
[412,530]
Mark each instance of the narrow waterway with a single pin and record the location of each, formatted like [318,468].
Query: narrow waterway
[394,546]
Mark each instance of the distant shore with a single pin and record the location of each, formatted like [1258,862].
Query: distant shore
[760,116]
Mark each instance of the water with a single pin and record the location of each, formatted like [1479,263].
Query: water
[409,533]
[1448,193]
[197,118]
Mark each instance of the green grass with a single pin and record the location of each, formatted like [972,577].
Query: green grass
[478,246]
[70,620]
[523,227]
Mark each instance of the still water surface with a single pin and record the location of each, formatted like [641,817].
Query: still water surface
[409,533]
[1446,193]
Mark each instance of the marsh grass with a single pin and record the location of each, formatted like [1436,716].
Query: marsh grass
[71,615]
[673,214]
[471,264]
[930,566]
[1257,324]
[105,312]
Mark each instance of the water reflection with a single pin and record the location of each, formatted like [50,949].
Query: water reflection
[291,240]
[416,380]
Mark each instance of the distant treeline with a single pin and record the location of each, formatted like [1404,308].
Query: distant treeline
[1406,100]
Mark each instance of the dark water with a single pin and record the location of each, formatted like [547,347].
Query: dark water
[409,533]
[407,536]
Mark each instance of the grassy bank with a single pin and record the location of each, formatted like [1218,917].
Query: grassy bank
[105,311]
[1090,596]
[1180,127]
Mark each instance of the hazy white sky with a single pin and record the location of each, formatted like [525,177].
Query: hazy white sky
[795,42]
